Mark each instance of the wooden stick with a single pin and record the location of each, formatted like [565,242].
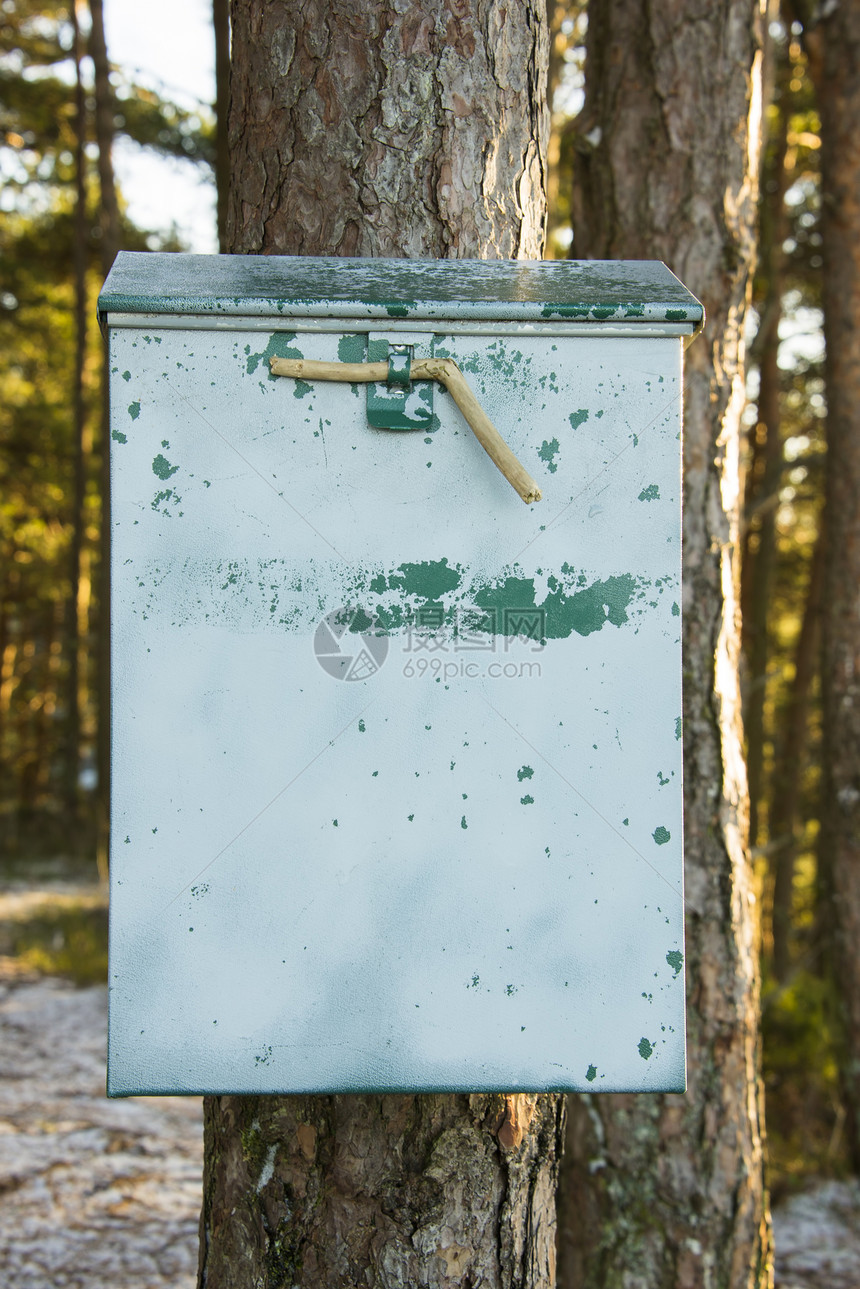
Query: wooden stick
[446,371]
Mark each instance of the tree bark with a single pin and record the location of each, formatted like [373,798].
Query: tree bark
[392,129]
[79,414]
[669,1190]
[834,48]
[221,30]
[765,463]
[406,131]
[109,245]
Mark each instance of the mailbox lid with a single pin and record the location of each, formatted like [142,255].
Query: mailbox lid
[632,292]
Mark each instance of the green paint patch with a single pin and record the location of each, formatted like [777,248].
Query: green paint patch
[351,349]
[548,452]
[119,436]
[645,1048]
[527,800]
[661,836]
[279,346]
[361,727]
[134,410]
[525,773]
[676,610]
[426,581]
[679,726]
[591,1073]
[162,468]
[126,375]
[675,960]
[651,493]
[463,823]
[160,497]
[301,388]
[562,613]
[578,418]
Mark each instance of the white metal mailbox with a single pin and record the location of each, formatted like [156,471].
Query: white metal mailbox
[396,758]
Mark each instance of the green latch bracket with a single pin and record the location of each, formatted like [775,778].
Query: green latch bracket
[400,403]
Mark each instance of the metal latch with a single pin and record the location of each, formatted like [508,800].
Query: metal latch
[400,403]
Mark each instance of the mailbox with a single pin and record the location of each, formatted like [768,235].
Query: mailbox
[397,798]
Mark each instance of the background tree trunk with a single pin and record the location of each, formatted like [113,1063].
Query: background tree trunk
[384,130]
[108,247]
[79,412]
[834,49]
[221,29]
[669,1190]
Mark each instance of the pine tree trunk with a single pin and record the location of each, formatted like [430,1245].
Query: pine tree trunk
[391,129]
[406,131]
[76,517]
[221,29]
[668,1191]
[110,244]
[792,752]
[835,64]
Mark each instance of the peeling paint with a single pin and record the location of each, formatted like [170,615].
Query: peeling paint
[548,452]
[162,468]
[279,346]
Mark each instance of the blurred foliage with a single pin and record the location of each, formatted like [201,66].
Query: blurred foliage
[40,591]
[60,937]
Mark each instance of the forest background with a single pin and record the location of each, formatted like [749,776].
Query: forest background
[63,105]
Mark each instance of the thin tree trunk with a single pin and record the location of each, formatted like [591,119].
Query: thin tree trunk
[110,244]
[221,28]
[73,676]
[384,130]
[765,470]
[764,501]
[668,1191]
[791,746]
[834,48]
[104,122]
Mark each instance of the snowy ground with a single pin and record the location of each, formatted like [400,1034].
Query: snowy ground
[94,1194]
[98,1194]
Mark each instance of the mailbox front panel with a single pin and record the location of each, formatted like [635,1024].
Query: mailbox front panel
[396,758]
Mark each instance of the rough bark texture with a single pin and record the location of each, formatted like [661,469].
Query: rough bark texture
[388,129]
[835,64]
[221,30]
[397,130]
[380,1190]
[668,1191]
[108,247]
